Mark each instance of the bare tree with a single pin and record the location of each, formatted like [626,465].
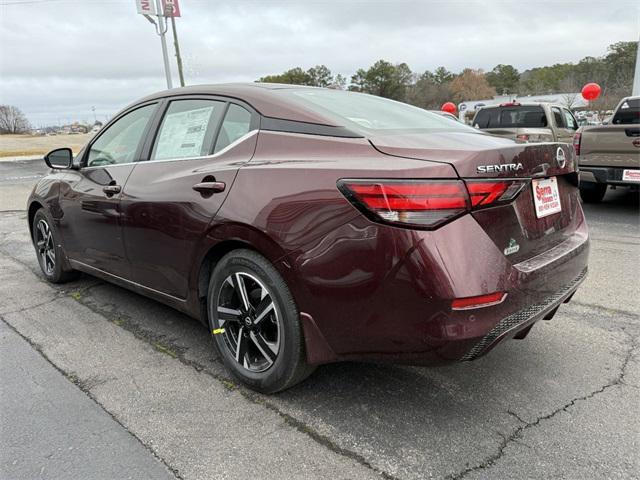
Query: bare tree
[570,86]
[12,120]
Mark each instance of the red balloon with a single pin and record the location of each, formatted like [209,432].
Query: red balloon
[591,91]
[449,107]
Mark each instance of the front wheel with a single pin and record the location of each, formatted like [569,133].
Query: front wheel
[48,250]
[592,192]
[255,321]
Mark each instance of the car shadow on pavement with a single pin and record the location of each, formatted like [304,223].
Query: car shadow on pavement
[453,412]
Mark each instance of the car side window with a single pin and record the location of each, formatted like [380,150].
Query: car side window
[570,121]
[558,118]
[187,129]
[119,142]
[237,122]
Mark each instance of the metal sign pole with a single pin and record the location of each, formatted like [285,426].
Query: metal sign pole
[162,29]
[177,48]
[636,76]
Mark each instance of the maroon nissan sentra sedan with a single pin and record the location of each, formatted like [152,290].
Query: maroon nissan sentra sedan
[305,226]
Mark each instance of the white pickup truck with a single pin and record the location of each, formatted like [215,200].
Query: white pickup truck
[609,154]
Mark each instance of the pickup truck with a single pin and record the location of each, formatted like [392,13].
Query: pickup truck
[610,154]
[527,122]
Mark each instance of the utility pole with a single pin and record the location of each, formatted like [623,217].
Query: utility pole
[636,76]
[177,48]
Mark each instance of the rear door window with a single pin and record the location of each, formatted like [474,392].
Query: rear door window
[237,123]
[187,129]
[628,113]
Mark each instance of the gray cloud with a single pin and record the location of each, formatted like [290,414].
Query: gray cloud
[58,58]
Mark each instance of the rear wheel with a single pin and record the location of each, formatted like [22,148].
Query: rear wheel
[50,254]
[256,323]
[592,192]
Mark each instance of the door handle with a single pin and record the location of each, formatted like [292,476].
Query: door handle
[111,189]
[209,187]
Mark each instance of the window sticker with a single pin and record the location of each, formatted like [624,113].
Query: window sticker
[182,133]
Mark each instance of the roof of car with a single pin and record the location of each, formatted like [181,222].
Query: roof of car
[521,104]
[261,96]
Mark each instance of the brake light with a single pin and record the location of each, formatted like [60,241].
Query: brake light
[415,202]
[480,301]
[484,193]
[523,137]
[510,104]
[577,138]
[426,203]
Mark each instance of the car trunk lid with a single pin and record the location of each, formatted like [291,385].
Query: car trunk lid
[515,227]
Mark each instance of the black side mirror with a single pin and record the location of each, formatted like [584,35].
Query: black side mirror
[60,158]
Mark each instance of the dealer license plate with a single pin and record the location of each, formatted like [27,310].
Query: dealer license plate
[546,196]
[631,175]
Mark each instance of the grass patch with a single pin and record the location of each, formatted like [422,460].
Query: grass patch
[164,349]
[229,385]
[76,295]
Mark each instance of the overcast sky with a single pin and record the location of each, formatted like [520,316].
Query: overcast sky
[58,58]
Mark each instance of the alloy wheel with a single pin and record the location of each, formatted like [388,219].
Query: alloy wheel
[45,247]
[249,316]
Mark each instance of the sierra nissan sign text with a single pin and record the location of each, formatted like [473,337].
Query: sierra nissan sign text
[170,8]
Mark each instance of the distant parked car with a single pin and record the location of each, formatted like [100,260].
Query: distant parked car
[609,154]
[528,122]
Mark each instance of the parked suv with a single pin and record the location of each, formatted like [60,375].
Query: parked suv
[528,122]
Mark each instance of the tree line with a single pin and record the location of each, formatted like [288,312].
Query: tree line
[430,89]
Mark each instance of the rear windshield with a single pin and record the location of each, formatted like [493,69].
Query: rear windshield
[511,117]
[369,114]
[628,113]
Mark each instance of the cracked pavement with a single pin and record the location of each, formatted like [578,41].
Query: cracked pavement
[561,403]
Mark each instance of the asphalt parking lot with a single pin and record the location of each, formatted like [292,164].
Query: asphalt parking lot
[99,372]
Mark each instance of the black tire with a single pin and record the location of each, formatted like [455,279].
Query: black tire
[592,192]
[265,351]
[50,255]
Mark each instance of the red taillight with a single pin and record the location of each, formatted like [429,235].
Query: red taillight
[418,202]
[484,193]
[426,203]
[523,137]
[577,138]
[478,302]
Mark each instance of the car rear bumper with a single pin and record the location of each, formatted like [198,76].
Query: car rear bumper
[398,308]
[606,175]
[508,327]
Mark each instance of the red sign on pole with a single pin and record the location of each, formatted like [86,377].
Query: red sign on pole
[171,8]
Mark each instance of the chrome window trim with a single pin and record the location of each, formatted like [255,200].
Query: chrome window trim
[233,144]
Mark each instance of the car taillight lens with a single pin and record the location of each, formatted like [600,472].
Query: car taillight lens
[425,203]
[576,142]
[418,202]
[522,137]
[485,193]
